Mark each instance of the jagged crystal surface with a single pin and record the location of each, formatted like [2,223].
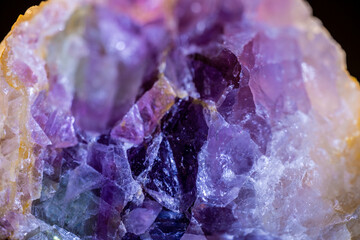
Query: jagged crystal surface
[177,119]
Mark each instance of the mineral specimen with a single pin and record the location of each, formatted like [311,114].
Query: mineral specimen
[177,119]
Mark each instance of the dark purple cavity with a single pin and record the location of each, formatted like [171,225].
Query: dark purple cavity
[130,236]
[104,139]
[173,170]
[186,130]
[214,71]
[163,176]
[214,220]
[208,80]
[137,158]
[169,225]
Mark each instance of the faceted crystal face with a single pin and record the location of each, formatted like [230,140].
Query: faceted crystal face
[180,119]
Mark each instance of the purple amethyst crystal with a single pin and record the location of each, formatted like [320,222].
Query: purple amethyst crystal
[169,148]
[157,145]
[176,120]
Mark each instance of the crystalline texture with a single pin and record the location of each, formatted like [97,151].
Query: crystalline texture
[180,119]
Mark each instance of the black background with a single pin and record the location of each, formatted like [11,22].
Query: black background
[340,17]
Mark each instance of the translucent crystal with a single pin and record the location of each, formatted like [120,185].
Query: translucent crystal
[180,119]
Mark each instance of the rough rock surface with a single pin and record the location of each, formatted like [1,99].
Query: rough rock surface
[177,119]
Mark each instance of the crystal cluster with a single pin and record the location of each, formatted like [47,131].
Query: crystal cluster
[177,119]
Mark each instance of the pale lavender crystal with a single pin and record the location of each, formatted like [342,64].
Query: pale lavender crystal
[227,156]
[55,122]
[140,219]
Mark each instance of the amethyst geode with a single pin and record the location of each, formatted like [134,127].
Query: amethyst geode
[168,120]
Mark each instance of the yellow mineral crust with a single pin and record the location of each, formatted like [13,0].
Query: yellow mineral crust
[20,173]
[20,180]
